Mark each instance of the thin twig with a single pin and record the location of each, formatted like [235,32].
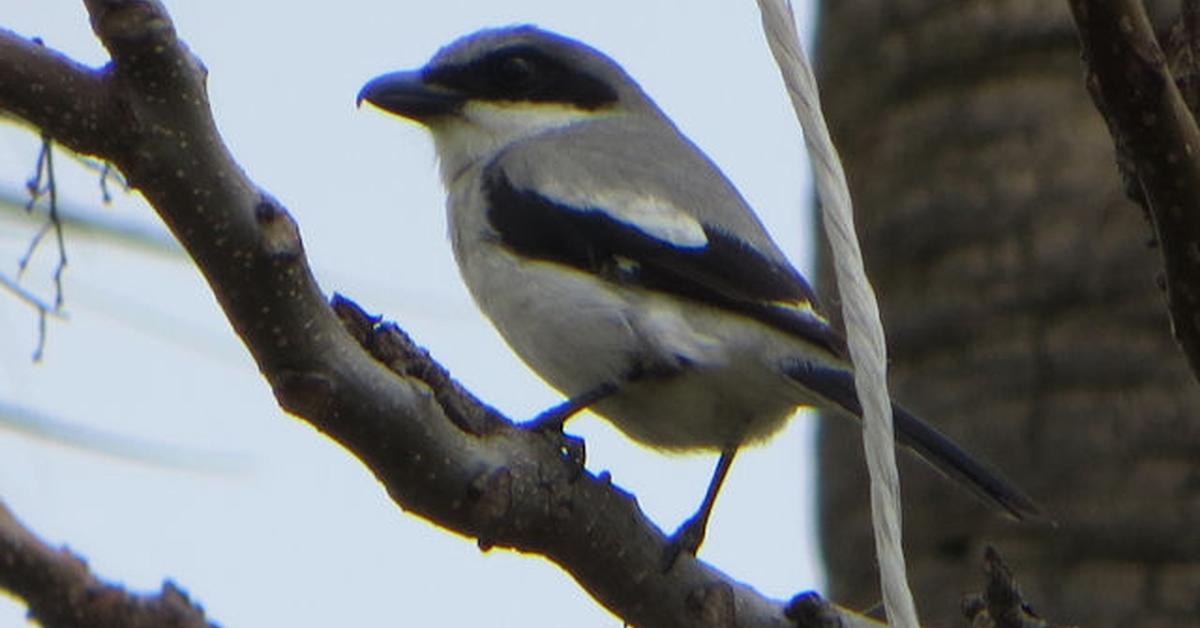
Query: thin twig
[45,168]
[43,309]
[107,173]
[28,297]
[87,221]
[105,195]
[39,351]
[34,187]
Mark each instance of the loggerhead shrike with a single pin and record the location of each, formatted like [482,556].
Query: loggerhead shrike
[621,264]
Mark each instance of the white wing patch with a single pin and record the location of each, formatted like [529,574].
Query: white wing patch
[651,215]
[801,307]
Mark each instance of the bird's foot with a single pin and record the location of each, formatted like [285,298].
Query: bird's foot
[551,421]
[690,534]
[550,424]
[687,539]
[571,449]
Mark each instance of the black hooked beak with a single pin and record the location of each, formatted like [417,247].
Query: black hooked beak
[407,94]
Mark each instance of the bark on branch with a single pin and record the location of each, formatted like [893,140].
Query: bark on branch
[439,452]
[60,591]
[1157,141]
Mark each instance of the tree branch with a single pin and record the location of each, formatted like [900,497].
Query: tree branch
[1157,138]
[439,452]
[60,591]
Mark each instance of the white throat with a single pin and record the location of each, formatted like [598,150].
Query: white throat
[482,129]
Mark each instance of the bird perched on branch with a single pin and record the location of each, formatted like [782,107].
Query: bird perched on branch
[618,261]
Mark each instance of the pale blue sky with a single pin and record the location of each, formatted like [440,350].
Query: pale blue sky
[277,525]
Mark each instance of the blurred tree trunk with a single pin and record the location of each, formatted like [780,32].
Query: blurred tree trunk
[1024,317]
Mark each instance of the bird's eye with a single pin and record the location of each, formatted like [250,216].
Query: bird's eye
[517,70]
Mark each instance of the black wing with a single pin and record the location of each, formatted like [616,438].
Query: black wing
[723,272]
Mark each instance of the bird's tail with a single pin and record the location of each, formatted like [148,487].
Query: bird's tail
[837,387]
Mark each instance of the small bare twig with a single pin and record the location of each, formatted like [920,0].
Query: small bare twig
[42,184]
[36,190]
[44,310]
[1001,605]
[107,173]
[28,297]
[49,189]
[106,227]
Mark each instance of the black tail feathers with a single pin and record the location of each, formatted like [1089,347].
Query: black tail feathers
[836,386]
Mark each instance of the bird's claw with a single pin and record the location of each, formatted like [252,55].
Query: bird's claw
[687,539]
[571,449]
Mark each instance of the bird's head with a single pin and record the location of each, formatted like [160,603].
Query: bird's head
[495,87]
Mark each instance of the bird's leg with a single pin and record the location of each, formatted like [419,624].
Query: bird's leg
[550,423]
[690,534]
[552,420]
